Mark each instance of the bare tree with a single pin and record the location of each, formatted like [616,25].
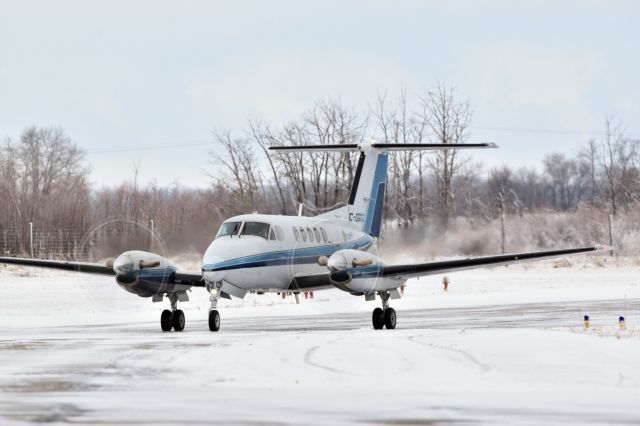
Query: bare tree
[50,170]
[618,158]
[566,187]
[240,167]
[448,121]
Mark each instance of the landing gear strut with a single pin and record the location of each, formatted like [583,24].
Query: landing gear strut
[173,318]
[214,315]
[385,316]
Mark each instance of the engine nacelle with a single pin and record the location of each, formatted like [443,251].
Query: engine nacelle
[357,272]
[145,274]
[348,259]
[343,264]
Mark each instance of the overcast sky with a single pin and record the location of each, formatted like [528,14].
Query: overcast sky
[541,75]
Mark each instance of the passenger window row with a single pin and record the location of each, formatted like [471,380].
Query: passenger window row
[309,234]
[274,232]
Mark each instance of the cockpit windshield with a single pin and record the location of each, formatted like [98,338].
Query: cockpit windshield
[258,229]
[229,228]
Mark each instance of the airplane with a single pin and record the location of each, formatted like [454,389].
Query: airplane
[276,253]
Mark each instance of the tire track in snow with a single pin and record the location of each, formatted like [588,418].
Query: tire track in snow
[484,368]
[310,353]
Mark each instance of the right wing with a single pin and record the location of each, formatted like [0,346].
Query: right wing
[91,268]
[432,268]
[174,277]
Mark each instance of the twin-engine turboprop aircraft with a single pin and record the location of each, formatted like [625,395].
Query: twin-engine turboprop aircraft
[271,253]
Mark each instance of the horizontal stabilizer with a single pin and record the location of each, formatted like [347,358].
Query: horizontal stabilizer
[431,146]
[334,147]
[350,147]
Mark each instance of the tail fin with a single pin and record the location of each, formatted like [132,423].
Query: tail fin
[366,198]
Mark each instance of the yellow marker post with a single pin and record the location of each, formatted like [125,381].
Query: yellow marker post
[621,324]
[586,322]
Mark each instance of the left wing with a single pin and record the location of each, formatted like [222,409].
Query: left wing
[432,268]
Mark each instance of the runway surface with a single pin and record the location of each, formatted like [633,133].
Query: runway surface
[524,363]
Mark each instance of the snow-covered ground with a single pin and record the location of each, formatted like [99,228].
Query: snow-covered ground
[501,346]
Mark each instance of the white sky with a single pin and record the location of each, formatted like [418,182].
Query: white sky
[129,74]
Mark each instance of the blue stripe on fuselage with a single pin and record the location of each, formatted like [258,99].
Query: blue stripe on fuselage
[287,257]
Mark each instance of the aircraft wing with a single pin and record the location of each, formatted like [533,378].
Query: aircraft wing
[310,282]
[189,278]
[179,277]
[432,268]
[91,268]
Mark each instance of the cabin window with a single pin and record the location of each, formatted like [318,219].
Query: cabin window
[324,234]
[303,234]
[296,234]
[279,233]
[229,228]
[310,234]
[272,234]
[257,229]
[317,234]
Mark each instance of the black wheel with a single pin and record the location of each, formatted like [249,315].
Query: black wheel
[166,320]
[178,320]
[377,318]
[390,318]
[214,320]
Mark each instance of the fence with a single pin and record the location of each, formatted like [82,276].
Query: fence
[79,243]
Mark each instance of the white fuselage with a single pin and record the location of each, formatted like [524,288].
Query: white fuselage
[249,256]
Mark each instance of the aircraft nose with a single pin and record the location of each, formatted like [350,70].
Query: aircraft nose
[123,264]
[210,269]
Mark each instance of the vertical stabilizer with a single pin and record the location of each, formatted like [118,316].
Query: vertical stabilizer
[366,199]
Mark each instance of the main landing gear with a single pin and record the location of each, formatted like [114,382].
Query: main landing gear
[385,316]
[173,318]
[214,315]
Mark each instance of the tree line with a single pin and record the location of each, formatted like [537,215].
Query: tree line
[44,178]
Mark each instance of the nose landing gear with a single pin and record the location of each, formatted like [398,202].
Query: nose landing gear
[385,316]
[173,318]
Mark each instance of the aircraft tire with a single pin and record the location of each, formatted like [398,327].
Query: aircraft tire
[214,320]
[377,318]
[390,318]
[178,320]
[166,320]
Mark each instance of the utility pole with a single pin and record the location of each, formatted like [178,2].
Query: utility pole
[502,224]
[611,232]
[31,239]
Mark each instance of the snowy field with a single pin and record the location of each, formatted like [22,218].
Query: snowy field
[502,346]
